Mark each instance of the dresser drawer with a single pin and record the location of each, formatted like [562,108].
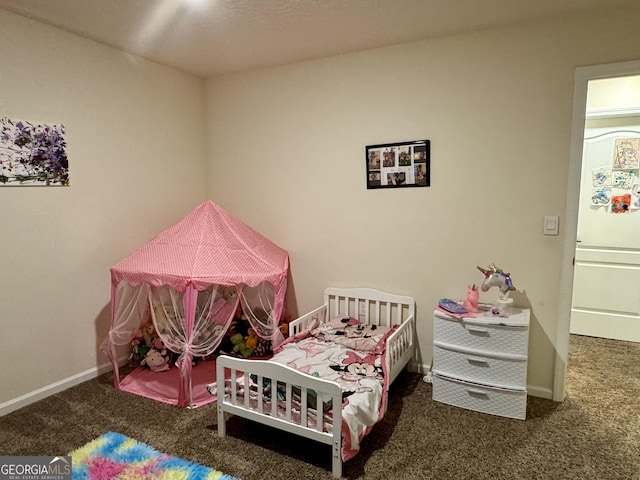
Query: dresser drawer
[481,398]
[507,371]
[482,335]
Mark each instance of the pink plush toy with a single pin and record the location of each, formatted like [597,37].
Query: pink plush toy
[155,361]
[471,303]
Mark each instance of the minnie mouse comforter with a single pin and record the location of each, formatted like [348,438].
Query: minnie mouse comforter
[351,354]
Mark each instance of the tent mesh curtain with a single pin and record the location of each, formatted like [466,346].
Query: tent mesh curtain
[259,307]
[190,323]
[213,315]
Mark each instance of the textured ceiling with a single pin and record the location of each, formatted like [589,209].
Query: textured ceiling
[213,37]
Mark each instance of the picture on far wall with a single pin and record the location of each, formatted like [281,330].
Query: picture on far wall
[32,154]
[393,165]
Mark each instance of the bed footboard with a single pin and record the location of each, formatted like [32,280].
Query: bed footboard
[246,388]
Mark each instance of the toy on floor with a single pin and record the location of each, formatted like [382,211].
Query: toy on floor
[251,340]
[263,348]
[206,333]
[155,360]
[167,320]
[239,346]
[284,329]
[139,350]
[148,349]
[142,343]
[149,334]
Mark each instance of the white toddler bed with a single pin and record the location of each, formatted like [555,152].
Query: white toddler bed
[315,407]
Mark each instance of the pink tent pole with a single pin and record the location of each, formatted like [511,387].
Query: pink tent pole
[111,351]
[190,298]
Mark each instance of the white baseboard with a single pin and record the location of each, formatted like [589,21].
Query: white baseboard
[31,397]
[536,391]
[422,368]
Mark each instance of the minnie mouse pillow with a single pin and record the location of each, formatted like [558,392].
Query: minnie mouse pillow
[348,331]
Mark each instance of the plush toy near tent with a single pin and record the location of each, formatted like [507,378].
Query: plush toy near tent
[189,281]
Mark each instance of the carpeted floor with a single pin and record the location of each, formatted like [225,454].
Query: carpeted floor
[594,434]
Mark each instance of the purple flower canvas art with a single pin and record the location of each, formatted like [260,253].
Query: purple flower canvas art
[32,154]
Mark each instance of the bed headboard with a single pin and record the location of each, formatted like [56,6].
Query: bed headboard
[369,306]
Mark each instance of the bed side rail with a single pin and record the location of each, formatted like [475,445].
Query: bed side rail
[400,348]
[369,306]
[304,322]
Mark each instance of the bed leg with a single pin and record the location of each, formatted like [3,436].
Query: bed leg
[337,461]
[221,424]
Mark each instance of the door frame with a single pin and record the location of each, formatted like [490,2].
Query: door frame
[582,77]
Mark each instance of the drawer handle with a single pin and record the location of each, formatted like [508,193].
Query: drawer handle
[478,393]
[478,331]
[477,361]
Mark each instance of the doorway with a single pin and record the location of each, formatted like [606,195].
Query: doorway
[606,277]
[582,78]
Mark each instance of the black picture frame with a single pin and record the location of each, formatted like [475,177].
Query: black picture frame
[397,165]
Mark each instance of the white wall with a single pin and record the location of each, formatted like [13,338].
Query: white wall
[286,154]
[136,145]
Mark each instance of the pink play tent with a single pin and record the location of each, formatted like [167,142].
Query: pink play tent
[189,281]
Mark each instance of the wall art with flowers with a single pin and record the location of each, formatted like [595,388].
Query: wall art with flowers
[32,154]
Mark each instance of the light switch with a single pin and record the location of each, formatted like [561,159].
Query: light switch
[551,225]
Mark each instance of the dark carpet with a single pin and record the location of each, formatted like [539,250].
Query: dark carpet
[593,434]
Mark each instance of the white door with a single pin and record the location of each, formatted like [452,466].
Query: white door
[629,100]
[606,284]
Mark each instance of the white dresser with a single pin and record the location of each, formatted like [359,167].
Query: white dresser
[480,363]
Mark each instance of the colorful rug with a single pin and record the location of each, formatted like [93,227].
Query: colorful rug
[115,456]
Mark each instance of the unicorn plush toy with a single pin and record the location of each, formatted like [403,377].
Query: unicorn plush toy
[495,277]
[471,303]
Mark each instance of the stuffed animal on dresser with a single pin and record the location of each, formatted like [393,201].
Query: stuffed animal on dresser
[471,303]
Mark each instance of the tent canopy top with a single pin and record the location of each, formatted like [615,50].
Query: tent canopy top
[209,246]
